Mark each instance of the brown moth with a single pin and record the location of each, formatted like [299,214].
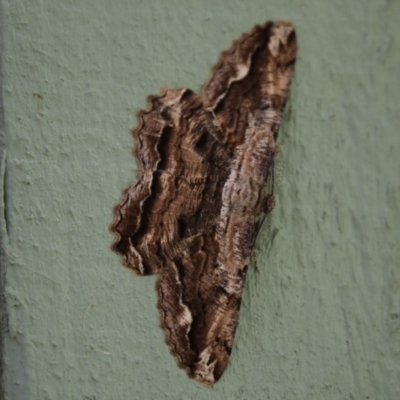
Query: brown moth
[193,214]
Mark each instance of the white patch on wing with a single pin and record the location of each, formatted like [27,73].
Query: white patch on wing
[242,71]
[205,371]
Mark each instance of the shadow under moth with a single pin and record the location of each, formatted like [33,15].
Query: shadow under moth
[193,214]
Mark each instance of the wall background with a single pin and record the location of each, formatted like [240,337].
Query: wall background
[322,318]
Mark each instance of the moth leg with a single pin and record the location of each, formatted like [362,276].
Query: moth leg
[267,207]
[269,203]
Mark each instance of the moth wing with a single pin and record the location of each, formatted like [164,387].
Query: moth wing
[183,166]
[253,74]
[199,305]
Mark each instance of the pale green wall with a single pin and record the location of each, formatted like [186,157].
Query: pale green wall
[321,320]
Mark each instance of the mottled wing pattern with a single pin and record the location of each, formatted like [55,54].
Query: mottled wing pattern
[193,213]
[177,196]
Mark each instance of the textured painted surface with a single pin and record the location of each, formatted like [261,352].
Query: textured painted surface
[320,320]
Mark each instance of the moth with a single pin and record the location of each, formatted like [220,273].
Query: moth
[193,214]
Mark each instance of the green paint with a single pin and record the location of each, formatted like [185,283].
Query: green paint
[322,318]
